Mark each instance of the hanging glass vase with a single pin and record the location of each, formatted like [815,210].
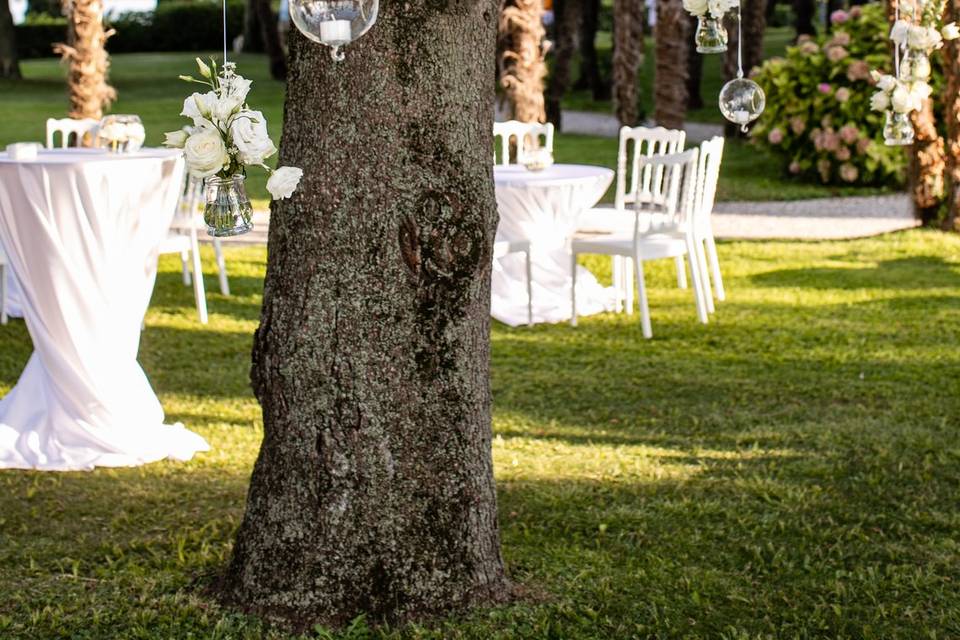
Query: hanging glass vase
[897,130]
[226,210]
[742,101]
[711,36]
[915,66]
[334,23]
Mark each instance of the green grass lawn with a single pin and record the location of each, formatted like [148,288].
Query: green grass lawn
[147,85]
[789,471]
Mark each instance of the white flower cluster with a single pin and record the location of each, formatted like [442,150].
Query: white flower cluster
[227,135]
[120,132]
[716,8]
[924,38]
[899,95]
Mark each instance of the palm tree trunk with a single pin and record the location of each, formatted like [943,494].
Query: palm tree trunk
[520,52]
[86,58]
[627,58]
[590,76]
[927,164]
[566,25]
[804,12]
[670,85]
[9,63]
[694,68]
[951,115]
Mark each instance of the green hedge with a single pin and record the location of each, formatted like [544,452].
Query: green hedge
[176,25]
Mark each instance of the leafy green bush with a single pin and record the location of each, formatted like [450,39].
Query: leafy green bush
[818,117]
[175,26]
[35,38]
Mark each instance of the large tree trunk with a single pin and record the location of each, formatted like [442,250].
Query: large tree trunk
[566,25]
[373,491]
[252,31]
[627,58]
[804,12]
[694,67]
[927,164]
[270,35]
[753,14]
[520,51]
[86,58]
[951,115]
[590,76]
[9,63]
[670,81]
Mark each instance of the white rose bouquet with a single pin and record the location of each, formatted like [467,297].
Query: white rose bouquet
[716,8]
[896,94]
[227,136]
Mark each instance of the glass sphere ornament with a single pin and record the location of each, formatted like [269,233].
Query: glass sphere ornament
[334,23]
[711,36]
[897,130]
[742,101]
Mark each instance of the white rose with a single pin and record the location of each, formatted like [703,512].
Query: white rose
[879,101]
[899,31]
[920,91]
[175,139]
[695,7]
[136,133]
[886,82]
[205,153]
[901,100]
[283,182]
[248,133]
[950,31]
[199,107]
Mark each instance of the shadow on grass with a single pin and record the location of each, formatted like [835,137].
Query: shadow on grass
[915,272]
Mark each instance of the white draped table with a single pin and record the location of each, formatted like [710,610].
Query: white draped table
[544,207]
[81,230]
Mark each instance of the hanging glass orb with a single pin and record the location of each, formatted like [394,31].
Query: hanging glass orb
[897,130]
[742,101]
[711,36]
[334,23]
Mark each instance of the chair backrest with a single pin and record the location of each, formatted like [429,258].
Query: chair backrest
[677,192]
[526,136]
[636,184]
[67,128]
[708,175]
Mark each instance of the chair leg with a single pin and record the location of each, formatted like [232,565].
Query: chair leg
[221,267]
[617,283]
[698,292]
[3,294]
[682,271]
[529,289]
[628,285]
[715,267]
[185,265]
[573,289]
[704,276]
[198,292]
[642,297]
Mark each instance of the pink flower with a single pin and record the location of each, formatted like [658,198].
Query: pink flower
[794,167]
[863,144]
[797,125]
[858,70]
[823,88]
[839,17]
[836,53]
[848,172]
[831,141]
[849,133]
[775,136]
[823,167]
[842,154]
[855,11]
[809,48]
[843,94]
[841,38]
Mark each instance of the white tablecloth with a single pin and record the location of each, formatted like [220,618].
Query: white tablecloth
[81,230]
[543,207]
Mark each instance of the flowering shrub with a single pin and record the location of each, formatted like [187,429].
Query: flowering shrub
[818,116]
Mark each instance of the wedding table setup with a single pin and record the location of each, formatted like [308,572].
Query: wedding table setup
[543,207]
[81,229]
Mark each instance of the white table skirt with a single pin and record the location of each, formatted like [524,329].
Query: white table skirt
[81,230]
[543,207]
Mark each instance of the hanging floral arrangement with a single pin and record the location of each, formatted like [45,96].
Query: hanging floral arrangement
[710,36]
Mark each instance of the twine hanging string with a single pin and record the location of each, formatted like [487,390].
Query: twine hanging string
[896,45]
[224,32]
[739,42]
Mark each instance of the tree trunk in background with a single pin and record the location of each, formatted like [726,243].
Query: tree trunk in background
[86,58]
[694,67]
[951,115]
[520,54]
[627,58]
[270,34]
[9,63]
[566,25]
[927,164]
[590,76]
[670,80]
[804,12]
[753,13]
[373,491]
[252,31]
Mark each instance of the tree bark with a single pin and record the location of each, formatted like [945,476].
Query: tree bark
[270,35]
[627,58]
[670,86]
[590,76]
[9,62]
[86,58]
[252,28]
[927,164]
[520,51]
[951,115]
[804,12]
[373,491]
[694,67]
[566,21]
